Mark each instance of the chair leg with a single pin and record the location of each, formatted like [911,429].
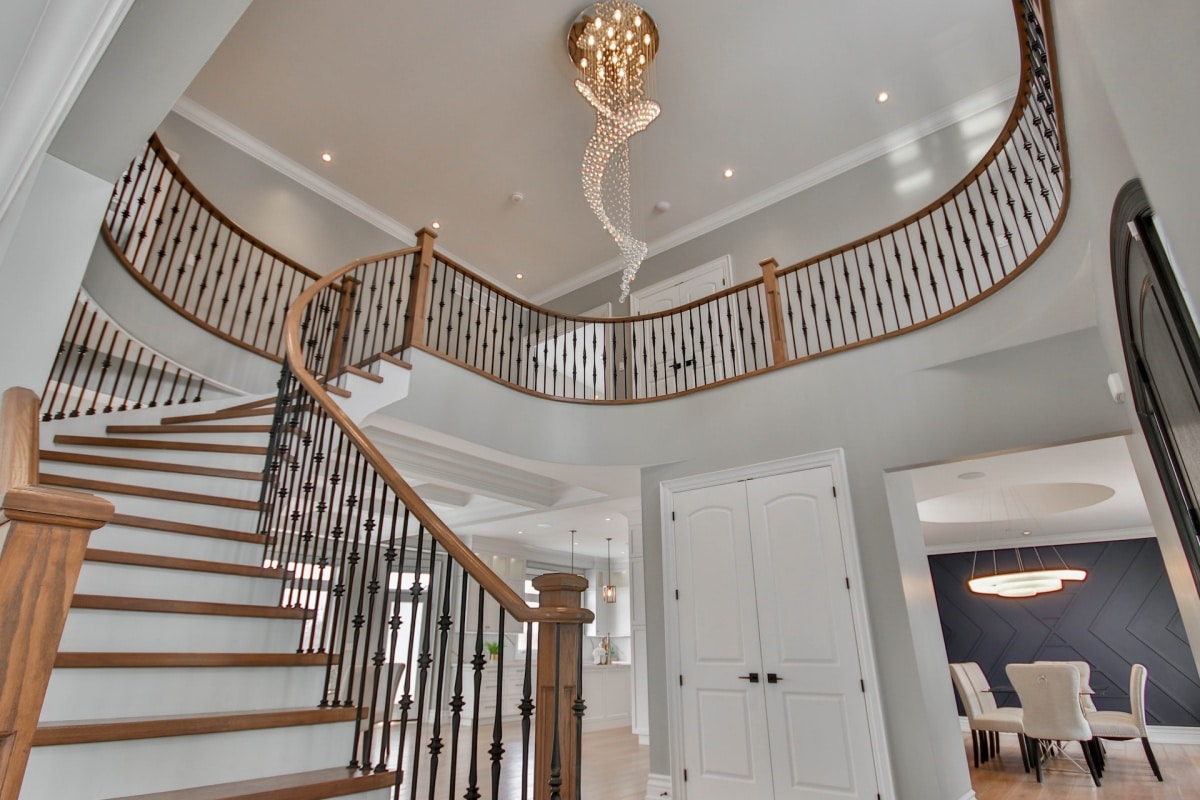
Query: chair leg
[1024,752]
[1150,757]
[1090,757]
[975,746]
[1035,750]
[1094,746]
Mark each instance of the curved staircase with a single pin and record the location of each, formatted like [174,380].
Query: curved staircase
[177,677]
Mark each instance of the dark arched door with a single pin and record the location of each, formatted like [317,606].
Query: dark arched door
[1162,355]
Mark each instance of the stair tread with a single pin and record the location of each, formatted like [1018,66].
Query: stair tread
[391,359]
[115,462]
[171,526]
[214,416]
[114,487]
[113,730]
[159,444]
[188,429]
[312,785]
[362,373]
[102,659]
[97,555]
[159,605]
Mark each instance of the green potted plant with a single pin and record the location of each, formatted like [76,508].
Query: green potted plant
[493,649]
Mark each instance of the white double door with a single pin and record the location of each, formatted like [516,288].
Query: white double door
[772,700]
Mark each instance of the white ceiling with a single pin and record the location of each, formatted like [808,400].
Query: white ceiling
[442,110]
[1084,491]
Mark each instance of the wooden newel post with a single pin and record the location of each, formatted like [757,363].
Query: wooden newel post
[41,550]
[418,293]
[555,762]
[774,310]
[341,333]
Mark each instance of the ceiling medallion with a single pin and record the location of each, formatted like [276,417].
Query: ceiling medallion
[612,44]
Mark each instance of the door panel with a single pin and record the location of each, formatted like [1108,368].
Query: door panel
[726,749]
[818,747]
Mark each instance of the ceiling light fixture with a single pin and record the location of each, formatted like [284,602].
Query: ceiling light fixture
[882,97]
[1017,579]
[327,157]
[520,276]
[727,173]
[437,226]
[609,592]
[611,44]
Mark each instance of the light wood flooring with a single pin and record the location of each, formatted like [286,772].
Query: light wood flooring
[1127,775]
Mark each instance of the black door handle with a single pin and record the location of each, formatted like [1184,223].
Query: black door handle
[752,677]
[773,678]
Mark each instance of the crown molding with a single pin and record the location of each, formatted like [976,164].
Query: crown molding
[950,115]
[231,134]
[1046,540]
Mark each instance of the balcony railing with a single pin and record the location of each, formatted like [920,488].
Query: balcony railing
[960,248]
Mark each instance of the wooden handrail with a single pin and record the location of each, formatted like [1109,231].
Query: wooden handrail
[40,556]
[495,586]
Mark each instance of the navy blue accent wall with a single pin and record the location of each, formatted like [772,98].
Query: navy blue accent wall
[1123,614]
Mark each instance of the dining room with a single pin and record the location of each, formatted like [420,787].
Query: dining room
[1082,632]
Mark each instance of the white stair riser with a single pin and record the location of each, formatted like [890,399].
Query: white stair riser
[233,519]
[90,629]
[123,580]
[174,434]
[180,545]
[114,769]
[107,693]
[199,458]
[174,481]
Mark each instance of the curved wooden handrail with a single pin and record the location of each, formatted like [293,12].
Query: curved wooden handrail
[500,591]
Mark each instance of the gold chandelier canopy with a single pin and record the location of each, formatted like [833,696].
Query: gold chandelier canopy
[611,44]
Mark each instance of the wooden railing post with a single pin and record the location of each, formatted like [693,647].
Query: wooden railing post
[341,333]
[418,295]
[558,667]
[774,310]
[47,534]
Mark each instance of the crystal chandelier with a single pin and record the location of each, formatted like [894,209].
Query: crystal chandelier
[612,44]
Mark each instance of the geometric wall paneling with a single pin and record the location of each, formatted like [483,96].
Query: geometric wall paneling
[1123,614]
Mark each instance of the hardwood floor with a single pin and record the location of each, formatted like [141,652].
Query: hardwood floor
[1127,775]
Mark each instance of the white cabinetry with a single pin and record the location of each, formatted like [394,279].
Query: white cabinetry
[513,687]
[606,690]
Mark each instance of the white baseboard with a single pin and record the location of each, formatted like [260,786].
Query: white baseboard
[658,787]
[1159,734]
[970,795]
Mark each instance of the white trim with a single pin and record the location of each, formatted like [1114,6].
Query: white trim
[1159,734]
[658,786]
[231,134]
[1026,542]
[836,460]
[952,114]
[725,262]
[970,795]
[39,76]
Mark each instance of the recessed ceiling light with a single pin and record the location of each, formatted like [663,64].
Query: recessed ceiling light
[882,97]
[543,524]
[608,519]
[1026,533]
[520,276]
[520,533]
[662,206]
[971,476]
[437,226]
[327,157]
[728,173]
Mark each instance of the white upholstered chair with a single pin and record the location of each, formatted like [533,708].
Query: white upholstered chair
[1050,699]
[1085,683]
[1122,725]
[983,716]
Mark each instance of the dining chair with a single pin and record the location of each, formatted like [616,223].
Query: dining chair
[1050,699]
[984,718]
[1085,683]
[1125,725]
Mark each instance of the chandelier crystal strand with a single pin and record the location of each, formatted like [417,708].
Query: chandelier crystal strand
[612,44]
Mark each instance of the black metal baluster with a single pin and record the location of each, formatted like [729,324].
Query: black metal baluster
[457,701]
[527,707]
[436,744]
[477,663]
[496,751]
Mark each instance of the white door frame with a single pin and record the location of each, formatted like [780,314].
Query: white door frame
[836,460]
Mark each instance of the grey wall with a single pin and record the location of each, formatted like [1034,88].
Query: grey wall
[1123,614]
[306,227]
[879,192]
